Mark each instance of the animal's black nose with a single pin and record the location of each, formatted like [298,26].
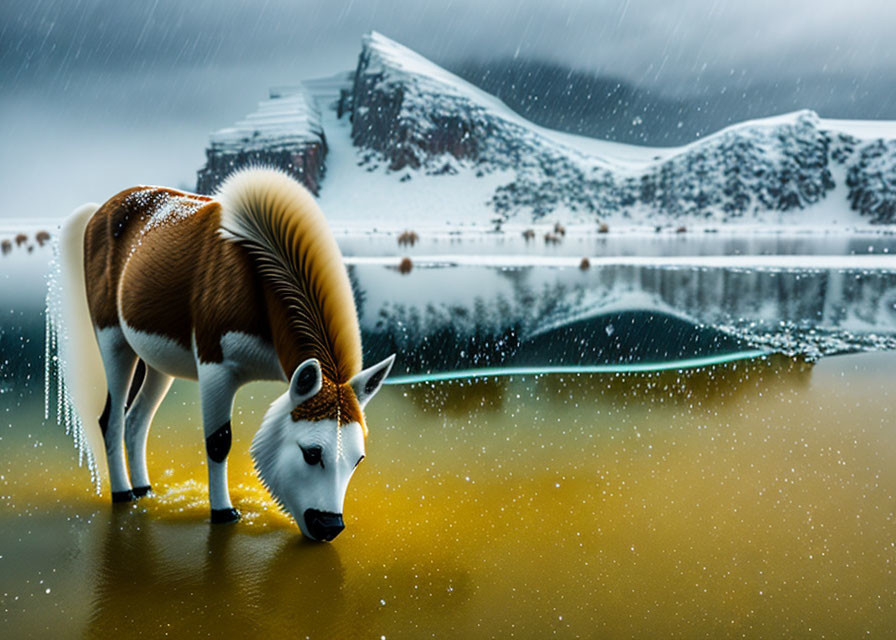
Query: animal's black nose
[323,525]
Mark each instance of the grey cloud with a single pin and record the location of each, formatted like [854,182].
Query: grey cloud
[647,40]
[107,92]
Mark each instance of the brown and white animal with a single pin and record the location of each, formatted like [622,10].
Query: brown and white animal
[246,285]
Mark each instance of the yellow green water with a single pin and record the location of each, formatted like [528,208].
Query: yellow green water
[750,499]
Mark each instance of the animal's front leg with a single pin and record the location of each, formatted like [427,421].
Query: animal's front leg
[217,387]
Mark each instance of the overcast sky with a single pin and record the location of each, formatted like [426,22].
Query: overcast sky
[96,96]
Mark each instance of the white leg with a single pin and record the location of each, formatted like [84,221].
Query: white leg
[137,421]
[118,361]
[217,387]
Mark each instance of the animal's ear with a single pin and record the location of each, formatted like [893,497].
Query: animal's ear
[306,381]
[369,381]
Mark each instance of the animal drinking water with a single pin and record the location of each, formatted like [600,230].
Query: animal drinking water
[246,285]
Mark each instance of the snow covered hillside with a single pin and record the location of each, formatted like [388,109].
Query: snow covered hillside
[411,143]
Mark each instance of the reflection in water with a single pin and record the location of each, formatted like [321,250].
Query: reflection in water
[579,243]
[460,398]
[154,576]
[303,583]
[750,499]
[448,317]
[455,317]
[699,385]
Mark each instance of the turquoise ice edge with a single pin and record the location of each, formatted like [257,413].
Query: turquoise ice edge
[692,363]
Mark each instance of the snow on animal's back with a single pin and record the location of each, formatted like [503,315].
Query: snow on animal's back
[180,280]
[147,251]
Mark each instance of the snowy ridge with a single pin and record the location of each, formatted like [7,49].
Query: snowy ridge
[419,119]
[285,131]
[287,118]
[326,89]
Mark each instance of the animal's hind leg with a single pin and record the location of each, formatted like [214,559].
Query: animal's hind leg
[118,361]
[137,421]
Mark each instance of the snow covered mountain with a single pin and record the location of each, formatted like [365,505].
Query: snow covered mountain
[412,143]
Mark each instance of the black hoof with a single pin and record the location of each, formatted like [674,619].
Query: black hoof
[123,496]
[142,491]
[225,516]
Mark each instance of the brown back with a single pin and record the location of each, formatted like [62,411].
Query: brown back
[155,259]
[156,255]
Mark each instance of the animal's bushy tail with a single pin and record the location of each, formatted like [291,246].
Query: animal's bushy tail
[75,381]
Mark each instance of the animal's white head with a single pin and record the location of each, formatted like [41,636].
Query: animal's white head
[310,442]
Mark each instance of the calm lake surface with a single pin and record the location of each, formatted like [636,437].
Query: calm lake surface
[751,499]
[663,243]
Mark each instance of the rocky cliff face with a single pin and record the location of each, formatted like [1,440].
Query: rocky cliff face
[284,132]
[755,168]
[411,119]
[413,114]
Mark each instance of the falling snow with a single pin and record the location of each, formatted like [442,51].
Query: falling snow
[615,247]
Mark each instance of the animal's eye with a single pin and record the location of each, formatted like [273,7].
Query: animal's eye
[359,461]
[312,455]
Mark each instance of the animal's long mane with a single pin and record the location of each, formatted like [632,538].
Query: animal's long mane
[279,222]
